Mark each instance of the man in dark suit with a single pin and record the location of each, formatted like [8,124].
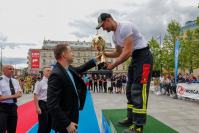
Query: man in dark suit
[66,90]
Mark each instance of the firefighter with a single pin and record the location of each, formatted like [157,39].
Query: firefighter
[129,42]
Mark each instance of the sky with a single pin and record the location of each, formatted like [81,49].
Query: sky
[24,24]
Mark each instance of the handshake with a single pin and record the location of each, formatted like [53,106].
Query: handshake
[102,66]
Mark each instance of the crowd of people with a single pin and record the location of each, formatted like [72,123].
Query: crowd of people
[27,82]
[96,83]
[165,84]
[102,83]
[187,78]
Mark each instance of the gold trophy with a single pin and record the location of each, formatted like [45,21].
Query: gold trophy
[99,44]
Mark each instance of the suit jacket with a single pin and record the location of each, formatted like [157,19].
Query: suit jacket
[62,99]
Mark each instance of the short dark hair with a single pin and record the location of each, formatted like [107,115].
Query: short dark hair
[59,49]
[45,67]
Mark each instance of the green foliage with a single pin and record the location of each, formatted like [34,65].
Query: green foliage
[156,52]
[197,21]
[173,30]
[189,49]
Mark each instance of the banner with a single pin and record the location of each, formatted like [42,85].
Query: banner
[188,90]
[35,56]
[176,59]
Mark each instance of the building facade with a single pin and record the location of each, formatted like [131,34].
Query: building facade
[189,25]
[83,52]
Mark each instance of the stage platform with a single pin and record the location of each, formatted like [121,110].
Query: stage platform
[110,117]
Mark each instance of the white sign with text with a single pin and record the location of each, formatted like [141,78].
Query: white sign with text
[188,90]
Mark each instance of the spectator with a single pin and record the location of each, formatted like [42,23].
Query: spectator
[90,83]
[104,80]
[198,79]
[180,78]
[161,82]
[100,84]
[95,78]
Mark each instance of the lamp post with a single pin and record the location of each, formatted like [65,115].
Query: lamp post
[2,40]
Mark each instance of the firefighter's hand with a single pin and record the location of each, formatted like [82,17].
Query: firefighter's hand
[110,66]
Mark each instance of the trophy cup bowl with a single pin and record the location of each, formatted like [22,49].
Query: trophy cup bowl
[99,44]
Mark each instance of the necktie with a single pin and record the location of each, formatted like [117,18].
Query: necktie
[12,90]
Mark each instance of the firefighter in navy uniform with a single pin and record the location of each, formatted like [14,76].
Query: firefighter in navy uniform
[10,90]
[129,42]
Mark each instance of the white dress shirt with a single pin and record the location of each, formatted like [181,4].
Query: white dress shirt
[41,89]
[5,87]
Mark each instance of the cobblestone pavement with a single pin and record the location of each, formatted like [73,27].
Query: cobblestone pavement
[25,98]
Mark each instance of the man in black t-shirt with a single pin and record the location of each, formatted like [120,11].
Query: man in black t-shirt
[95,79]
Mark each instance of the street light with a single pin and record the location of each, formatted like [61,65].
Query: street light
[3,38]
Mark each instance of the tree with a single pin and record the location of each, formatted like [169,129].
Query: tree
[197,21]
[156,52]
[168,54]
[173,30]
[189,55]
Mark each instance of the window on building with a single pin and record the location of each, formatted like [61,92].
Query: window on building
[49,54]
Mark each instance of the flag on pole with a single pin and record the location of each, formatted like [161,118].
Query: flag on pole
[177,46]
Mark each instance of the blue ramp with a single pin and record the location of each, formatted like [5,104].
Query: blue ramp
[88,120]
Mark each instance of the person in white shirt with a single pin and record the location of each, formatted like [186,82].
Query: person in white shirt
[161,83]
[10,91]
[129,42]
[40,98]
